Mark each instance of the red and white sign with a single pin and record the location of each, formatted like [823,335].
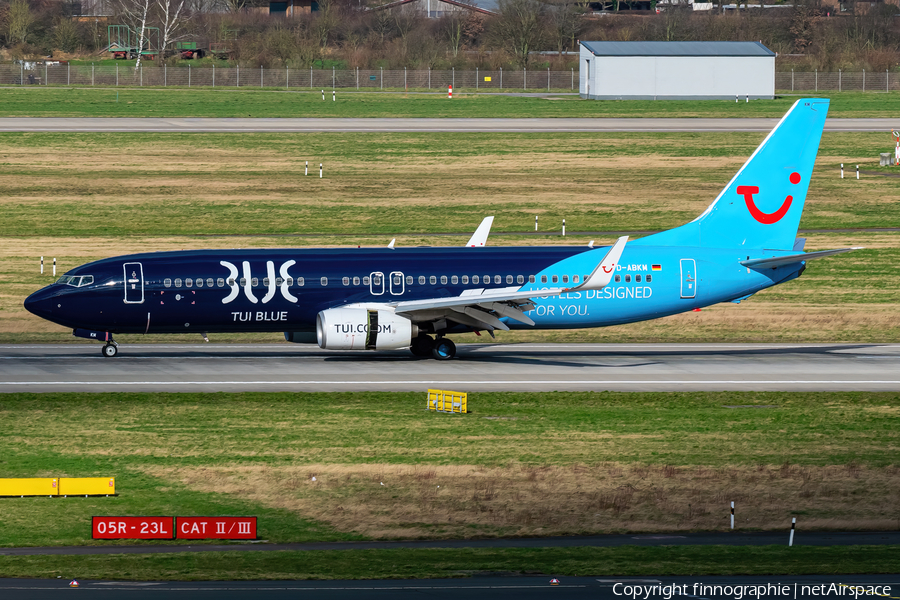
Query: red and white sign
[220,528]
[135,528]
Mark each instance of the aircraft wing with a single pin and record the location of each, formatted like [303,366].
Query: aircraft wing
[483,309]
[780,261]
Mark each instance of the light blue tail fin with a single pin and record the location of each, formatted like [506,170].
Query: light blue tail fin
[761,206]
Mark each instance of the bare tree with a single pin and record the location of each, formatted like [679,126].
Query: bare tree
[18,20]
[520,27]
[565,23]
[171,18]
[136,14]
[326,19]
[451,25]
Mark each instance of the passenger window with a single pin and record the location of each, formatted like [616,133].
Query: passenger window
[167,282]
[409,280]
[556,279]
[199,282]
[565,279]
[475,279]
[509,279]
[637,278]
[188,282]
[278,282]
[231,281]
[243,281]
[356,281]
[486,279]
[301,282]
[376,279]
[219,282]
[618,278]
[498,279]
[543,279]
[265,282]
[520,279]
[421,280]
[465,279]
[209,282]
[574,278]
[345,281]
[323,281]
[443,280]
[628,279]
[366,280]
[397,280]
[432,280]
[454,279]
[531,279]
[254,282]
[649,278]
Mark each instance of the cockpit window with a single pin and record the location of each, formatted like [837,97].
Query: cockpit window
[76,281]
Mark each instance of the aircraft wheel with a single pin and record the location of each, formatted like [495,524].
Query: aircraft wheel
[110,350]
[421,346]
[444,349]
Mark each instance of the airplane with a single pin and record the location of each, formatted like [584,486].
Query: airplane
[392,298]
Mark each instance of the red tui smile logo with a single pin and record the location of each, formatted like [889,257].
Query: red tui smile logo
[747,192]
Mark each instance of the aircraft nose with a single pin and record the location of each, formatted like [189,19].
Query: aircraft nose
[40,303]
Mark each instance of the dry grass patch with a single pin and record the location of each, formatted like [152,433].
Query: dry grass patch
[403,501]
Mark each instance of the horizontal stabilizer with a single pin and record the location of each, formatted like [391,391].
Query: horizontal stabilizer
[780,261]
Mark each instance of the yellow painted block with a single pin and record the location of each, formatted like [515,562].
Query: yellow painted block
[487,78]
[447,401]
[32,486]
[90,486]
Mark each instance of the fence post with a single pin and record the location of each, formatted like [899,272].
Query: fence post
[21,73]
[68,70]
[476,79]
[357,78]
[817,80]
[548,79]
[237,79]
[573,77]
[792,80]
[260,76]
[840,75]
[524,79]
[310,77]
[864,80]
[46,82]
[165,75]
[501,78]
[142,75]
[92,75]
[429,78]
[189,74]
[287,78]
[382,77]
[332,76]
[214,74]
[453,76]
[405,85]
[887,80]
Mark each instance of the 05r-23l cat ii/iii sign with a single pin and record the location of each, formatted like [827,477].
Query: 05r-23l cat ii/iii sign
[387,298]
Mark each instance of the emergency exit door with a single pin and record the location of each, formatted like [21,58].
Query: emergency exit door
[134,283]
[688,278]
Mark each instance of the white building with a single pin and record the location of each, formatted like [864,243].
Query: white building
[676,70]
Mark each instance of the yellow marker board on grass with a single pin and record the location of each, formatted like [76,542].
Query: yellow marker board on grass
[87,486]
[32,486]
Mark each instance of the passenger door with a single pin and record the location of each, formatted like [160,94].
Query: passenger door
[134,283]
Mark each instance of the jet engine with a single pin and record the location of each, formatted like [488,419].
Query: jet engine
[363,329]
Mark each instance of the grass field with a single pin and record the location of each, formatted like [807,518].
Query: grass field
[518,464]
[395,564]
[231,102]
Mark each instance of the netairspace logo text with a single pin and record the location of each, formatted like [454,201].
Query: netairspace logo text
[739,592]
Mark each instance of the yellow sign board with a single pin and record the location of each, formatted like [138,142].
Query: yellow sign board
[87,486]
[447,401]
[32,486]
[487,78]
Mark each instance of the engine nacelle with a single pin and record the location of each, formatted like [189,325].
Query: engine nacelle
[363,329]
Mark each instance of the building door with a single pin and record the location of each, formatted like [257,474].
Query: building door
[134,283]
[587,78]
[688,278]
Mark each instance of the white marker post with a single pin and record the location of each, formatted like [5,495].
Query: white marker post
[323,94]
[748,98]
[306,172]
[732,514]
[735,98]
[793,524]
[42,265]
[842,170]
[564,228]
[54,267]
[857,171]
[535,222]
[333,95]
[320,170]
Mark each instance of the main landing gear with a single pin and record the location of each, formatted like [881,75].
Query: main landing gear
[110,349]
[425,346]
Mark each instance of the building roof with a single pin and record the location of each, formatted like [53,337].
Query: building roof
[488,7]
[677,49]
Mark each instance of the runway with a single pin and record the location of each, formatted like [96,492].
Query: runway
[287,125]
[770,587]
[478,367]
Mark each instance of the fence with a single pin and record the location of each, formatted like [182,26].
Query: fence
[368,79]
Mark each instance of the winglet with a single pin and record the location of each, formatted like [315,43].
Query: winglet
[479,238]
[391,245]
[603,273]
